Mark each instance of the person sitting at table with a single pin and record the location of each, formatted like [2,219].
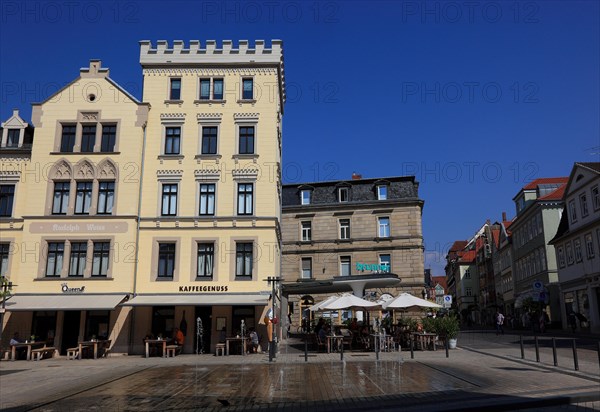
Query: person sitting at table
[178,339]
[21,353]
[253,340]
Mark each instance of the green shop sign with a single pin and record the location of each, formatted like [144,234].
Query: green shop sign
[373,267]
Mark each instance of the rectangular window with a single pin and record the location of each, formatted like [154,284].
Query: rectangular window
[166,260]
[204,89]
[385,261]
[246,139]
[589,246]
[61,198]
[596,197]
[577,247]
[572,211]
[570,259]
[78,257]
[382,192]
[345,265]
[305,197]
[88,138]
[207,199]
[7,198]
[343,194]
[169,199]
[245,198]
[106,197]
[218,89]
[344,229]
[54,260]
[206,258]
[243,260]
[209,140]
[101,256]
[4,250]
[306,231]
[306,268]
[67,140]
[175,89]
[172,140]
[384,226]
[468,274]
[543,258]
[109,137]
[13,138]
[583,204]
[83,198]
[469,291]
[248,89]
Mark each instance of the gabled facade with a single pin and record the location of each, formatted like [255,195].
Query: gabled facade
[502,258]
[74,247]
[539,207]
[577,246]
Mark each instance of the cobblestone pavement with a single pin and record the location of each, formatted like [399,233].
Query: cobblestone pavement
[474,377]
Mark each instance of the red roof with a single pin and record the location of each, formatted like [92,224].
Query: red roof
[556,195]
[439,280]
[496,236]
[468,256]
[544,180]
[458,245]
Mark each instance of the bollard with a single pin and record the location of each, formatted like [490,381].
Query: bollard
[446,343]
[554,351]
[537,350]
[342,350]
[575,360]
[521,346]
[305,347]
[412,348]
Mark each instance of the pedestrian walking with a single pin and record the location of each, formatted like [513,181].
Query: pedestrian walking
[499,322]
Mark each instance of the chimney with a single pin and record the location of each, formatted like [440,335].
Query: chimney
[504,216]
[356,176]
[16,112]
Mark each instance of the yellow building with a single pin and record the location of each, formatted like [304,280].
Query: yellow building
[210,215]
[71,234]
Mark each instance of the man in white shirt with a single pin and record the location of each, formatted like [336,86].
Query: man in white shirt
[499,322]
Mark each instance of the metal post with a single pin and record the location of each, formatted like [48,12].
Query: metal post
[377,347]
[5,289]
[305,346]
[412,349]
[342,350]
[272,343]
[575,360]
[554,351]
[522,349]
[537,350]
[446,344]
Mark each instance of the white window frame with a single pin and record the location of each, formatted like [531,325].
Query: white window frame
[310,269]
[381,226]
[344,232]
[389,263]
[347,194]
[589,245]
[583,204]
[306,231]
[596,197]
[577,250]
[342,264]
[572,211]
[303,200]
[380,194]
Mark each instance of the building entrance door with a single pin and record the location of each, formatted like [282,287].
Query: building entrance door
[70,333]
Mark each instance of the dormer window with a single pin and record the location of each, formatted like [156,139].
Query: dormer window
[13,138]
[305,196]
[343,194]
[382,192]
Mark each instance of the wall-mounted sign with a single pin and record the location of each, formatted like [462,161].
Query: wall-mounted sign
[66,289]
[79,227]
[373,267]
[197,288]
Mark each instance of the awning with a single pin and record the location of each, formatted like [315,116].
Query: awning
[198,300]
[63,302]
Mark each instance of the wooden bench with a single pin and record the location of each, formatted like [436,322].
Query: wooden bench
[38,354]
[171,349]
[73,353]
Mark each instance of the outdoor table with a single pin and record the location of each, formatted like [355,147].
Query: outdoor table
[240,339]
[89,344]
[157,342]
[425,340]
[28,345]
[337,338]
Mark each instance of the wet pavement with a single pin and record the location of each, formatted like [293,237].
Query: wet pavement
[472,378]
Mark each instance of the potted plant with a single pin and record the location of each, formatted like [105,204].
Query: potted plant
[448,326]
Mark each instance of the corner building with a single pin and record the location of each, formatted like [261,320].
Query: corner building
[71,233]
[209,218]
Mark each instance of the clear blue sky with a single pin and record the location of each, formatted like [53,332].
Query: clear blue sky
[474,98]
